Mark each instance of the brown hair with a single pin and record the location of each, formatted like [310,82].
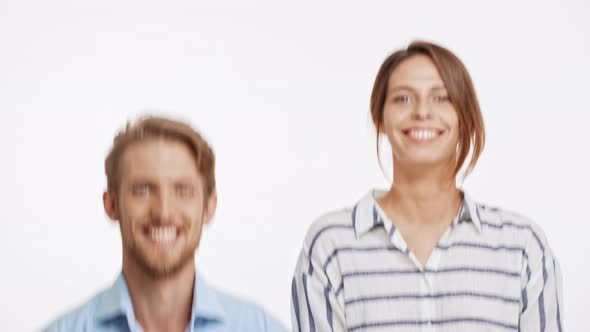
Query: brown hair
[459,88]
[150,127]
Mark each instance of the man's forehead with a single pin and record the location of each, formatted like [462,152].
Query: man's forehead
[158,156]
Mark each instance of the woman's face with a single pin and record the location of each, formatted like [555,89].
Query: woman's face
[420,122]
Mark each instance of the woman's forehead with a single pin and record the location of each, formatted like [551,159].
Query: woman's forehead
[417,70]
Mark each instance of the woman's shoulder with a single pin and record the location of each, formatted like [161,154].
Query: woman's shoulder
[511,223]
[328,231]
[340,219]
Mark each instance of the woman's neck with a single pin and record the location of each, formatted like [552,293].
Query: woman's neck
[422,196]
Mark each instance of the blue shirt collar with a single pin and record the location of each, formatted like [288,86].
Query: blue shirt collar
[367,213]
[206,303]
[115,303]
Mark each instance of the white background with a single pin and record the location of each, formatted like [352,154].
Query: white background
[282,92]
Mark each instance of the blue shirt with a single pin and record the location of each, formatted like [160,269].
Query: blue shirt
[212,311]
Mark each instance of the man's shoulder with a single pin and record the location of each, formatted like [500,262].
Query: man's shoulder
[79,318]
[245,314]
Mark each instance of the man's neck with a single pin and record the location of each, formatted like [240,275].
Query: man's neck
[161,303]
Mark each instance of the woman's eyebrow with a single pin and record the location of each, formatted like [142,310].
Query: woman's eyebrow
[401,87]
[438,87]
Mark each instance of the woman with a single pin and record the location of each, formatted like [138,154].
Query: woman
[424,256]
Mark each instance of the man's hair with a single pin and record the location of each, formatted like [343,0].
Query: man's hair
[150,127]
[459,88]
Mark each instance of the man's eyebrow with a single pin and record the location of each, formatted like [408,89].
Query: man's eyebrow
[140,180]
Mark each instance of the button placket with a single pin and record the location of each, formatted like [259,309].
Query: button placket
[433,264]
[425,306]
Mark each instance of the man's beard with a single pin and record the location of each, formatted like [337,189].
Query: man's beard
[160,267]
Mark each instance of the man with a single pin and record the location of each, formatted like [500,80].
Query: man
[161,191]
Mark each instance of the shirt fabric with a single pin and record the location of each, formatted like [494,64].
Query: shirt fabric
[492,270]
[212,311]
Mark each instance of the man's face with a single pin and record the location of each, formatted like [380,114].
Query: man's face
[160,206]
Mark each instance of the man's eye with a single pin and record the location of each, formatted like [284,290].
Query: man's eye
[441,99]
[141,189]
[403,99]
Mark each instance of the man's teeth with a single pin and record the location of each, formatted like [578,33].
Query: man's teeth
[163,234]
[423,134]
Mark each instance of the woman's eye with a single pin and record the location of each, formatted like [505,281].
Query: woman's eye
[402,99]
[183,190]
[441,99]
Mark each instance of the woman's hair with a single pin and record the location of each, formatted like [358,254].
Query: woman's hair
[148,128]
[460,91]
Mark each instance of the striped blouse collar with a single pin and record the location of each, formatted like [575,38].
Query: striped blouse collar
[367,213]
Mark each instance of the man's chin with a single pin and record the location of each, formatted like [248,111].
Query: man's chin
[161,270]
[164,267]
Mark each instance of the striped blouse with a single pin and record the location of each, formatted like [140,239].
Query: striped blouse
[492,270]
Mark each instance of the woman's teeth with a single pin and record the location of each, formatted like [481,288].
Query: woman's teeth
[423,134]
